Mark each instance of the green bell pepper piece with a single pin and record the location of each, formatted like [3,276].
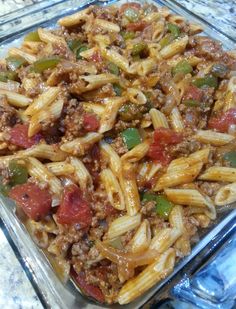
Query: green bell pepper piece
[15,63]
[191,103]
[80,50]
[4,188]
[113,68]
[118,89]
[45,63]
[7,75]
[32,37]
[231,157]
[131,137]
[174,30]
[182,67]
[74,44]
[138,49]
[132,15]
[18,173]
[166,40]
[127,35]
[163,206]
[207,81]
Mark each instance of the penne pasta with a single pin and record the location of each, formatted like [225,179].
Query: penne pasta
[191,197]
[74,19]
[219,173]
[48,37]
[16,99]
[177,46]
[39,171]
[122,225]
[178,177]
[176,218]
[108,117]
[45,117]
[114,159]
[158,119]
[136,96]
[81,173]
[80,145]
[106,25]
[137,153]
[226,195]
[95,81]
[113,132]
[129,188]
[176,120]
[116,58]
[43,101]
[94,107]
[27,56]
[142,238]
[213,138]
[113,189]
[43,151]
[60,168]
[164,239]
[183,163]
[147,278]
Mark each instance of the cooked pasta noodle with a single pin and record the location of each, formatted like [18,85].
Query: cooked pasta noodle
[117,143]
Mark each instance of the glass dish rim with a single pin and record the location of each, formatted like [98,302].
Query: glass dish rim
[172,5]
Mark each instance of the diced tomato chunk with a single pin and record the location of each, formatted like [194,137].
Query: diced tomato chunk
[193,93]
[130,5]
[90,122]
[137,26]
[89,289]
[163,138]
[96,57]
[223,122]
[74,208]
[35,202]
[157,152]
[19,136]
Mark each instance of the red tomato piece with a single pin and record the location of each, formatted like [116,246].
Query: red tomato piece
[19,136]
[90,122]
[35,202]
[96,57]
[88,289]
[130,5]
[137,26]
[193,93]
[157,152]
[74,208]
[167,137]
[163,138]
[223,122]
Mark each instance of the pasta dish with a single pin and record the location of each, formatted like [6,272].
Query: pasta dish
[117,143]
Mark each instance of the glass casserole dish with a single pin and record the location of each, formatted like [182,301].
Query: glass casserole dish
[29,251]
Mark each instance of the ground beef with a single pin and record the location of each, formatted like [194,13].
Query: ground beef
[73,121]
[185,148]
[8,115]
[148,208]
[119,146]
[209,188]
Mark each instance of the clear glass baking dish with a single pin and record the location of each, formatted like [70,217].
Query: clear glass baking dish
[50,290]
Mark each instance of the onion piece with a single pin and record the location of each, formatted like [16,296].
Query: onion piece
[127,259]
